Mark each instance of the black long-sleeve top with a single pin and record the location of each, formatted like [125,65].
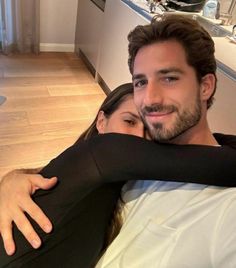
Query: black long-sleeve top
[91,175]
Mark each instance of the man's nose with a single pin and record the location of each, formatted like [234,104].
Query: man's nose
[153,94]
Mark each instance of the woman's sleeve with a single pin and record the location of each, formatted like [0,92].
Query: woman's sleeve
[116,157]
[128,158]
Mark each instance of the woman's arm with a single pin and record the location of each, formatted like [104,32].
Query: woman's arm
[83,167]
[137,158]
[118,157]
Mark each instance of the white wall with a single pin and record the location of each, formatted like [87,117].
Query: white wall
[57,24]
[222,114]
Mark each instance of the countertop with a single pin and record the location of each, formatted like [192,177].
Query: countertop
[226,56]
[225,48]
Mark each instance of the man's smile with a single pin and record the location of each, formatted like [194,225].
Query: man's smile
[154,117]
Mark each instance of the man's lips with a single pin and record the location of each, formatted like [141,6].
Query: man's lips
[157,116]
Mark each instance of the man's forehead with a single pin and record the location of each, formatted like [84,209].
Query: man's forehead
[160,59]
[169,50]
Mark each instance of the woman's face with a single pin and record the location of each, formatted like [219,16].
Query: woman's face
[124,120]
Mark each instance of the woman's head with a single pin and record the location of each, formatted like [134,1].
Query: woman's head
[116,114]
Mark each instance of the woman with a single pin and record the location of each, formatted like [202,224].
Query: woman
[79,202]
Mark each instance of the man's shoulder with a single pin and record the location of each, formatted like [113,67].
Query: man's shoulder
[223,139]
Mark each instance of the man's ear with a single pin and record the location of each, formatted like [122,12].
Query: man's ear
[101,122]
[207,86]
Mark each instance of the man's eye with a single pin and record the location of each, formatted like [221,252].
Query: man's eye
[170,79]
[140,83]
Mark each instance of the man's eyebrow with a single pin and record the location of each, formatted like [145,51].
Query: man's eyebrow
[137,76]
[170,70]
[162,71]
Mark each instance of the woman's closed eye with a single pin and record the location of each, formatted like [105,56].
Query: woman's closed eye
[130,121]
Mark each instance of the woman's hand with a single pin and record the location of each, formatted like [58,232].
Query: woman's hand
[15,191]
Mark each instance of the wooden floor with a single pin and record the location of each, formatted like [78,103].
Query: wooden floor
[51,99]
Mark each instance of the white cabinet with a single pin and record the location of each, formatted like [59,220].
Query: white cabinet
[222,114]
[119,20]
[89,28]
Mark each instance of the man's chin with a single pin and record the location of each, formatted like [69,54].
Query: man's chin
[158,136]
[162,135]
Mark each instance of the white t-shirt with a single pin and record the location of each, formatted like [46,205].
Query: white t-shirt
[175,225]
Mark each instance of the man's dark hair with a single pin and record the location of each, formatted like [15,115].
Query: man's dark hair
[196,41]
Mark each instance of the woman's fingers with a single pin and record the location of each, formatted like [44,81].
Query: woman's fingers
[31,208]
[36,213]
[39,182]
[27,230]
[6,233]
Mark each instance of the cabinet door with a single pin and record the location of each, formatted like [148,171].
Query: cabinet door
[119,20]
[88,30]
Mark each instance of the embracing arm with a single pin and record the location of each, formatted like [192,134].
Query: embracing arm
[115,157]
[146,160]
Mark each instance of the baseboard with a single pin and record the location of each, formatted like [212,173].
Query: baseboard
[86,62]
[103,85]
[51,47]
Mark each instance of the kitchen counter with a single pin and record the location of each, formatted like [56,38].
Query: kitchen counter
[225,49]
[226,56]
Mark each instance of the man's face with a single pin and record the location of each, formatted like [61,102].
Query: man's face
[166,90]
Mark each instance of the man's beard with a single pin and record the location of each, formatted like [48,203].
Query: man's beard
[185,120]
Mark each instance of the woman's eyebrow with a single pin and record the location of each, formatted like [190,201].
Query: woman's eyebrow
[134,115]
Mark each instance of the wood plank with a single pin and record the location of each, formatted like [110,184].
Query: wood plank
[17,119]
[53,101]
[24,92]
[82,78]
[58,115]
[12,134]
[41,71]
[72,90]
[28,153]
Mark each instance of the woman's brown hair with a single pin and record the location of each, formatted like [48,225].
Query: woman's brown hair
[109,106]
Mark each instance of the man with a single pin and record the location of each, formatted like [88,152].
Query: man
[172,224]
[172,94]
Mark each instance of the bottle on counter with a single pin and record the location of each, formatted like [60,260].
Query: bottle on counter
[211,9]
[234,32]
